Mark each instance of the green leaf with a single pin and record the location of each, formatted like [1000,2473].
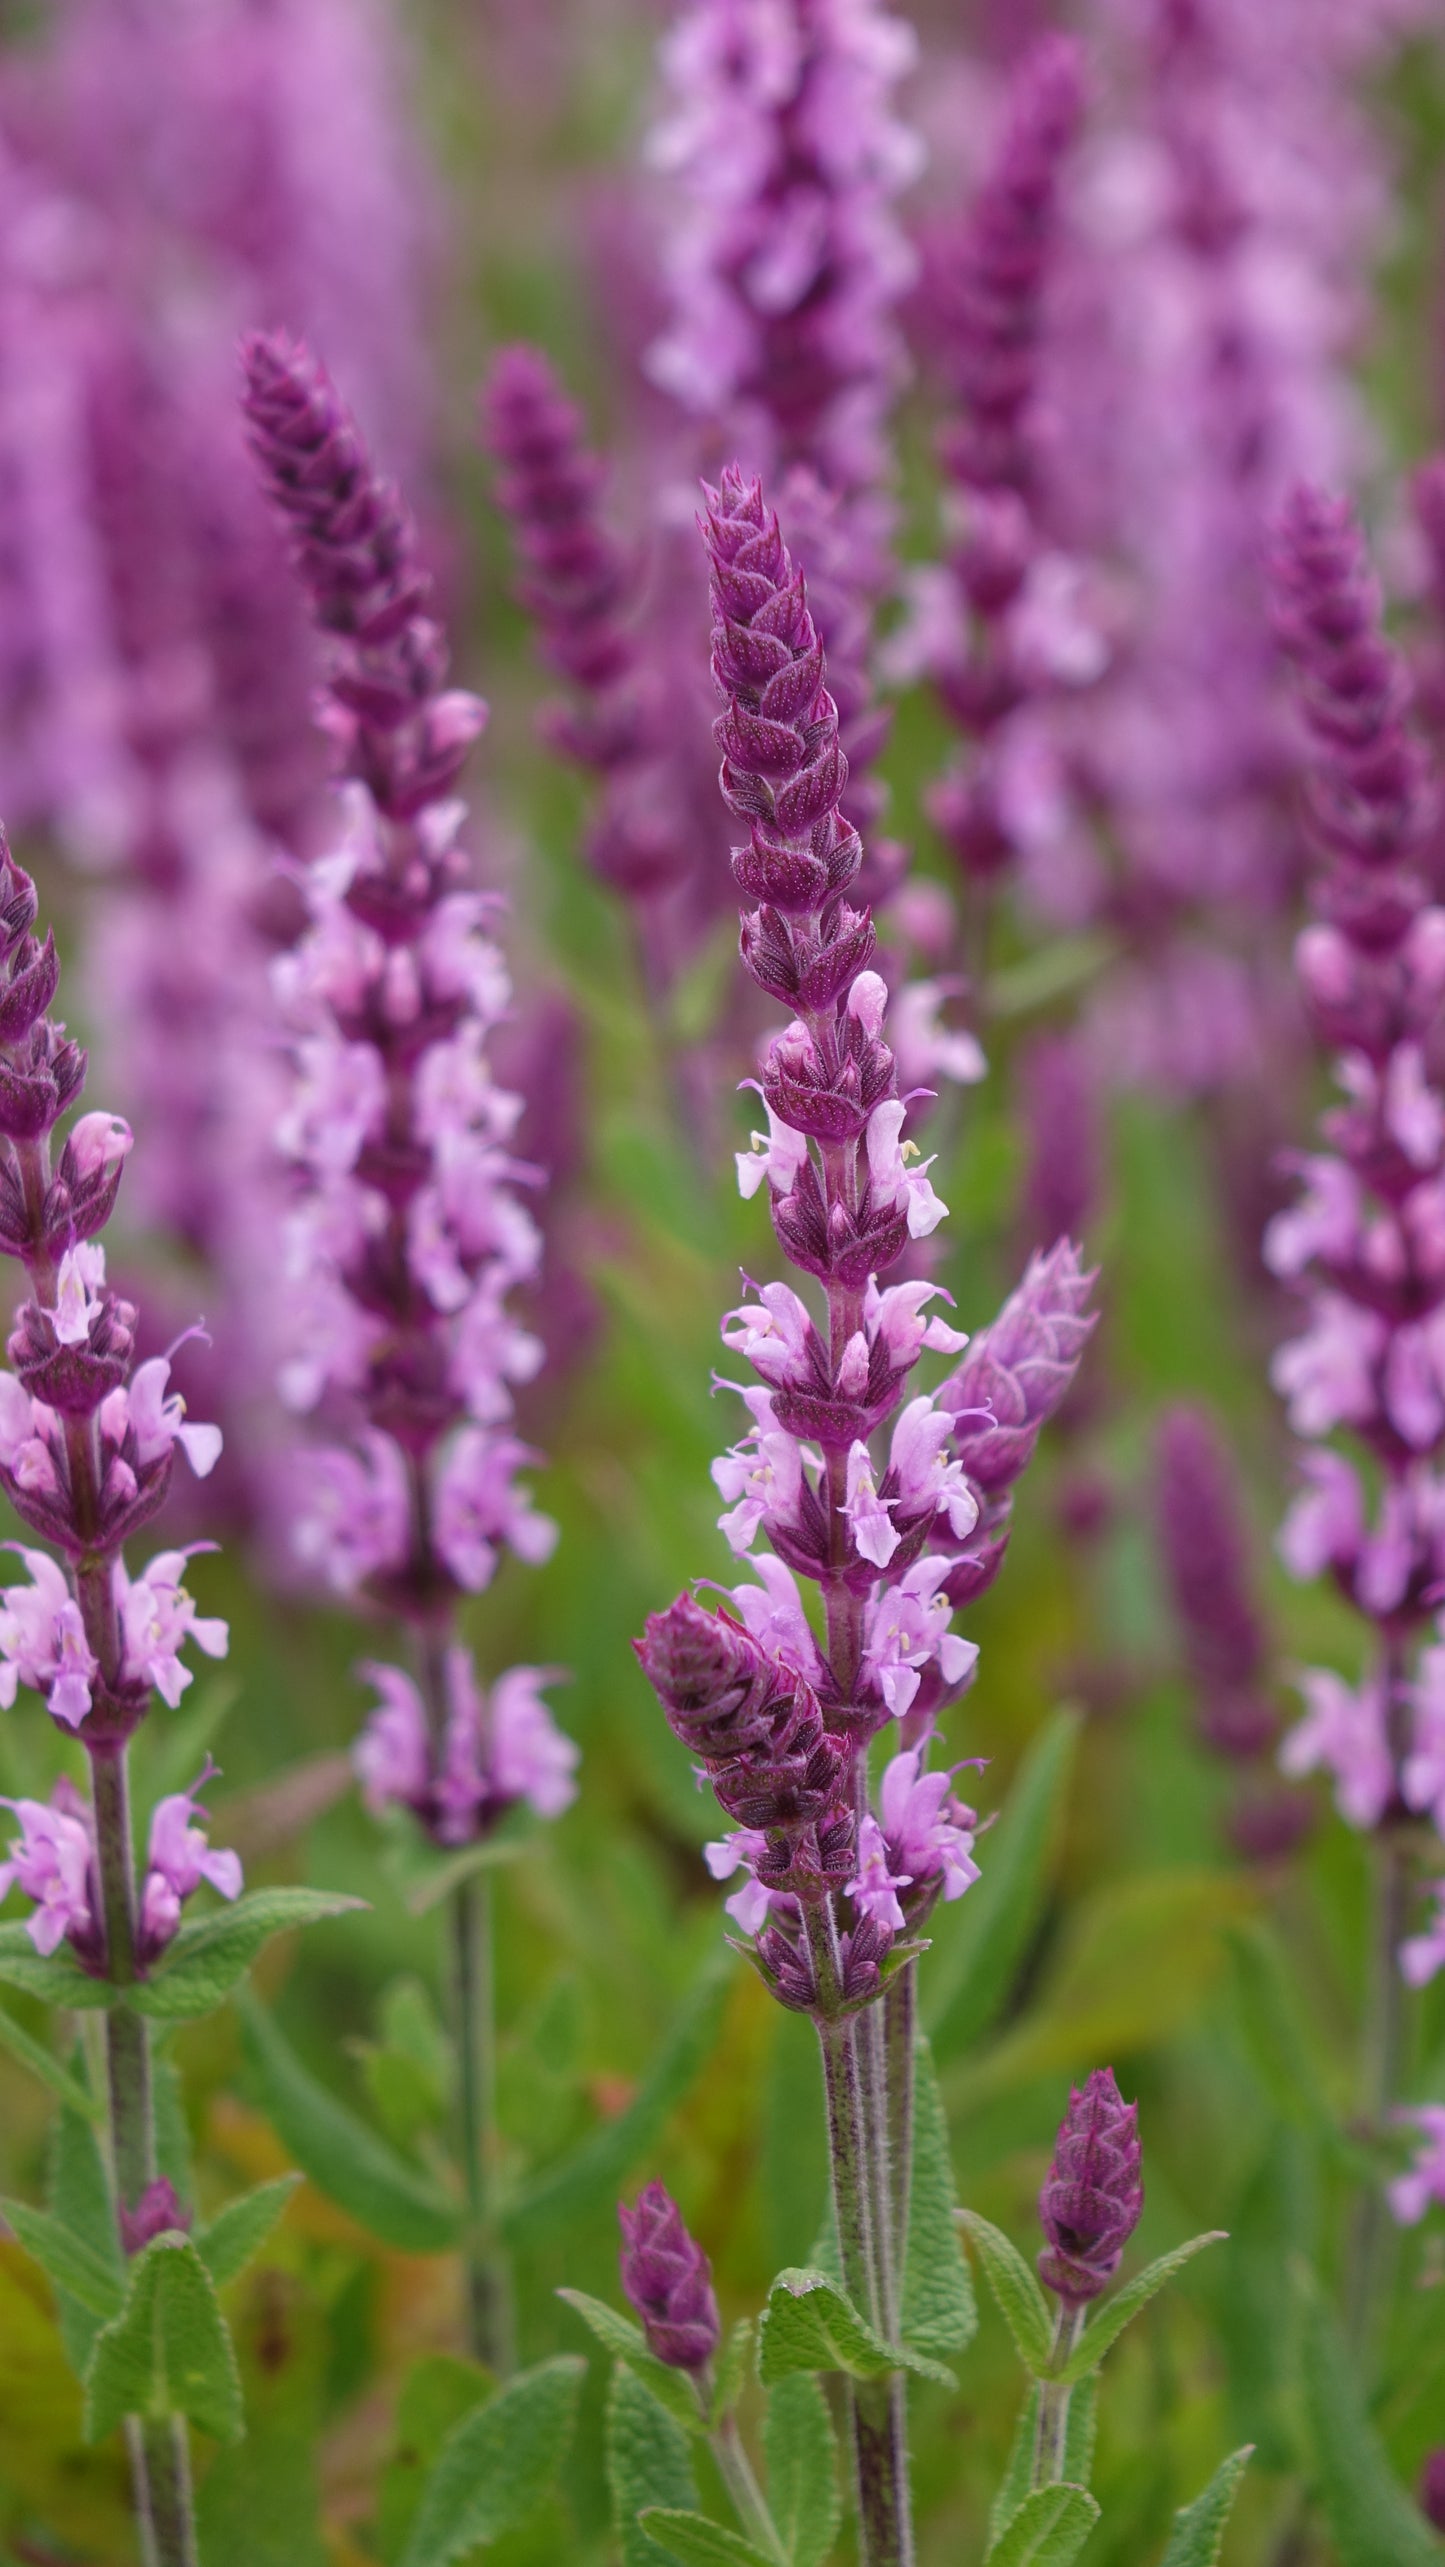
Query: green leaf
[597,2168]
[810,2325]
[1269,2019]
[58,1977]
[694,2541]
[438,2391]
[732,2371]
[342,2155]
[648,2463]
[1078,2450]
[940,2315]
[802,2456]
[74,2267]
[1198,2534]
[1114,2314]
[1372,2520]
[1049,2529]
[980,1948]
[77,2192]
[495,2467]
[485,1856]
[168,2352]
[228,2242]
[671,2388]
[212,1953]
[42,2063]
[1021,2302]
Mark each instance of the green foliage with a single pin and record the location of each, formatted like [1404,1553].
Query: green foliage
[259,2502]
[58,1976]
[732,2367]
[940,2315]
[1020,2301]
[672,2388]
[1079,2434]
[809,2324]
[1048,2529]
[649,2462]
[438,2392]
[42,2063]
[1372,2521]
[980,1949]
[495,2467]
[211,1954]
[344,2157]
[73,2266]
[693,2541]
[409,2072]
[1114,2314]
[77,2194]
[227,2243]
[801,2449]
[167,2353]
[1199,2529]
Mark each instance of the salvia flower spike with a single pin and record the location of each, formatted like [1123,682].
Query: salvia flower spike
[1093,2193]
[668,2281]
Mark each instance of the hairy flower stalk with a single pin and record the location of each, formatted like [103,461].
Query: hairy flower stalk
[87,1447]
[408,1229]
[896,1508]
[1362,1244]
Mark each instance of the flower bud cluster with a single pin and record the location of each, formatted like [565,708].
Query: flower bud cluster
[1093,2193]
[88,1441]
[893,1507]
[1365,1243]
[408,1229]
[668,2280]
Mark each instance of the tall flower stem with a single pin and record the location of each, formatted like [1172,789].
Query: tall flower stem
[899,2012]
[1051,2433]
[737,2474]
[489,2292]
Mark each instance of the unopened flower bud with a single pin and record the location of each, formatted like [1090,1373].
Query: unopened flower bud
[157,2210]
[1093,2193]
[668,2280]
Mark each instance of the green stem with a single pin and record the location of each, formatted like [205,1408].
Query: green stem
[739,2478]
[900,2034]
[1051,2433]
[161,2467]
[488,2279]
[1384,2049]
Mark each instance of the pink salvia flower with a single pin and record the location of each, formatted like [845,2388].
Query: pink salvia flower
[179,1857]
[53,1862]
[1423,1955]
[1411,2195]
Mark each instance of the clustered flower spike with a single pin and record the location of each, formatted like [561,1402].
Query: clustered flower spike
[1363,1245]
[88,1441]
[896,1507]
[1093,2193]
[408,1230]
[668,2280]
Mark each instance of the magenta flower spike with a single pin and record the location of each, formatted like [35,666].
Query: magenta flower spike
[668,2281]
[1093,2193]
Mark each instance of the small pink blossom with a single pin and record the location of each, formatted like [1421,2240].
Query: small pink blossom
[928,1482]
[51,1861]
[777,1155]
[1326,1523]
[907,1629]
[875,1886]
[179,1858]
[43,1642]
[925,1048]
[1343,1732]
[896,1181]
[869,1516]
[1411,2195]
[390,1756]
[339,1102]
[79,1292]
[1328,1374]
[531,1758]
[774,1333]
[99,1142]
[356,1516]
[479,1508]
[752,1905]
[927,1829]
[157,1421]
[1422,1955]
[773,1612]
[896,1316]
[1422,1778]
[760,1479]
[1326,1221]
[157,1617]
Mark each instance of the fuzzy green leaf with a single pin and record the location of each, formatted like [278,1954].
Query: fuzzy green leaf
[1021,2302]
[228,2242]
[732,2371]
[1198,2534]
[77,2193]
[342,2155]
[68,2262]
[212,1953]
[42,2063]
[168,2352]
[648,2463]
[810,2325]
[598,2167]
[671,2388]
[1371,2519]
[802,2455]
[940,2314]
[1049,2529]
[979,1949]
[1078,2450]
[495,2467]
[1114,2315]
[58,1976]
[694,2541]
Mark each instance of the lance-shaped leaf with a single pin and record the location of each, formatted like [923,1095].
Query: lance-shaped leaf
[1372,2521]
[1021,2302]
[693,2541]
[1079,2432]
[732,2371]
[77,2193]
[56,1976]
[42,2063]
[227,2244]
[648,2463]
[212,1954]
[168,2352]
[940,2315]
[802,2456]
[74,2267]
[1198,2534]
[980,1949]
[1049,2529]
[495,2467]
[1114,2315]
[810,2325]
[672,2388]
[343,2156]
